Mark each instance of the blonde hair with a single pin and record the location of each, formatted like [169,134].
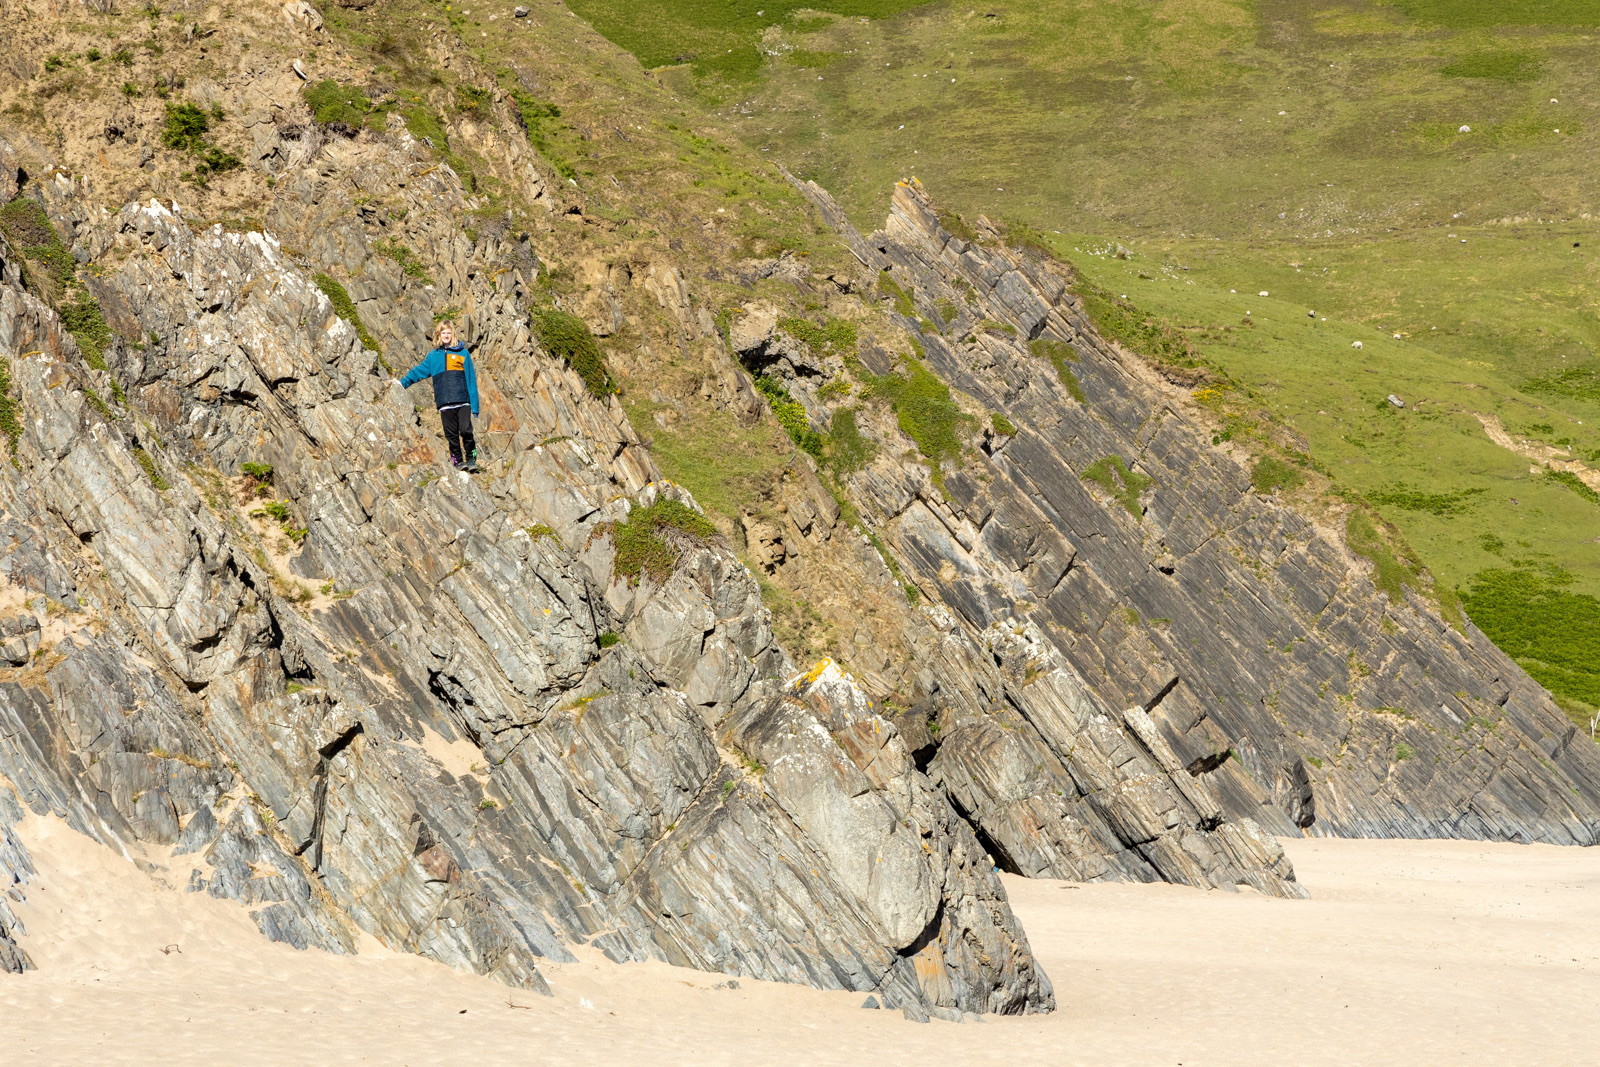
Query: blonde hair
[441,327]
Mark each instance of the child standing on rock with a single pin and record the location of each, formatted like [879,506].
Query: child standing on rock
[455,393]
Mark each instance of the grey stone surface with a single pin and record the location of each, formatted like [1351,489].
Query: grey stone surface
[1258,666]
[401,719]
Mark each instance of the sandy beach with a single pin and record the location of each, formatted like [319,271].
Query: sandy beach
[1408,952]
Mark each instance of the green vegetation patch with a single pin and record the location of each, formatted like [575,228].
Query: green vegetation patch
[10,410]
[1553,633]
[28,228]
[1580,383]
[334,104]
[902,299]
[345,308]
[410,263]
[834,337]
[1059,353]
[847,448]
[185,128]
[1568,480]
[148,463]
[540,121]
[1123,485]
[568,337]
[1002,425]
[641,546]
[791,415]
[925,412]
[1152,337]
[1502,65]
[1271,474]
[1389,573]
[715,36]
[87,326]
[1409,498]
[810,60]
[1483,14]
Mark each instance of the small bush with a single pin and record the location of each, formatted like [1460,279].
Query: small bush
[1002,425]
[1403,751]
[473,100]
[607,639]
[261,472]
[185,128]
[1123,485]
[275,509]
[640,547]
[568,337]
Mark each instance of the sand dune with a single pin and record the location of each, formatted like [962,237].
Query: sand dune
[1409,952]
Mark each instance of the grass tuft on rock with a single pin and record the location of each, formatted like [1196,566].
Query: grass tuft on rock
[568,337]
[1271,474]
[649,540]
[10,411]
[334,104]
[1059,353]
[924,410]
[87,326]
[791,416]
[345,308]
[1121,484]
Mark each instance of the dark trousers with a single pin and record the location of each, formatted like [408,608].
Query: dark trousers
[458,434]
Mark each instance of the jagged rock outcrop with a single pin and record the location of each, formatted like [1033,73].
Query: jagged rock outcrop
[429,707]
[1251,648]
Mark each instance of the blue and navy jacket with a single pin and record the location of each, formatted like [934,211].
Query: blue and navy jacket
[454,380]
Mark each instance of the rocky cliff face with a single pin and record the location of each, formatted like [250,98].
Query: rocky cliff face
[357,693]
[1252,649]
[253,620]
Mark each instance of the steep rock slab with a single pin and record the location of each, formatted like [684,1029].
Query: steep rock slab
[1258,648]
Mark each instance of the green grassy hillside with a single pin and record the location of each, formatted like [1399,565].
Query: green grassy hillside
[1420,168]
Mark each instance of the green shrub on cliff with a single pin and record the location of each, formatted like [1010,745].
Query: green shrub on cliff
[568,337]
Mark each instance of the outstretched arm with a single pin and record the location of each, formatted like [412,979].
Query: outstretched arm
[421,372]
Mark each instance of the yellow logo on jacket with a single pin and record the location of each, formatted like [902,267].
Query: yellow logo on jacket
[455,361]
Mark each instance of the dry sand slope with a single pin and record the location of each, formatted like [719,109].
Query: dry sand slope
[1409,952]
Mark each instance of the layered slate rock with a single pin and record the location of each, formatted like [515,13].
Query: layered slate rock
[429,707]
[1253,652]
